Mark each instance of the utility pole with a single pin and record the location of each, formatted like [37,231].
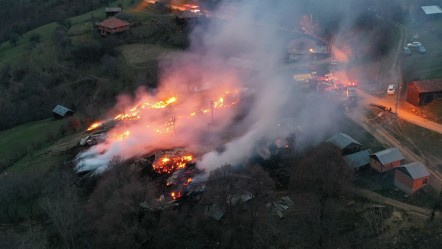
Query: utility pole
[397,96]
[211,110]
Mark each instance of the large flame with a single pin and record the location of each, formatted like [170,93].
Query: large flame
[168,163]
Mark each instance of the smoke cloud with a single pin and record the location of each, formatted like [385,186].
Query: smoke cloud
[237,57]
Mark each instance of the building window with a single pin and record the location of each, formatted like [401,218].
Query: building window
[425,180]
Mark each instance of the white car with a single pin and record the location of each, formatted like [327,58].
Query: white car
[414,44]
[391,89]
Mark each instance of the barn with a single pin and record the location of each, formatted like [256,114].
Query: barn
[345,143]
[358,160]
[61,112]
[386,160]
[423,92]
[411,177]
[112,26]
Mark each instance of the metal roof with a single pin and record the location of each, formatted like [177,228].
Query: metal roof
[389,155]
[61,110]
[432,9]
[342,140]
[358,159]
[416,170]
[425,86]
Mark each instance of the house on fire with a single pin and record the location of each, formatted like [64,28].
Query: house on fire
[113,26]
[423,92]
[62,112]
[411,177]
[386,160]
[345,143]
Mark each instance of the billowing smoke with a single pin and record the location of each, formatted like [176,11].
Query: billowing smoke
[230,96]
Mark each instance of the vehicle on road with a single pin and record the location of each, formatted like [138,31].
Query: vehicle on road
[352,95]
[414,44]
[407,51]
[391,89]
[421,49]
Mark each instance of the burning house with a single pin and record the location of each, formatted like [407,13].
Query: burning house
[411,177]
[386,160]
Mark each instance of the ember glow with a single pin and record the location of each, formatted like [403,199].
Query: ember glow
[168,164]
[94,126]
[220,99]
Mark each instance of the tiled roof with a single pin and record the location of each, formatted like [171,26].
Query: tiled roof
[113,23]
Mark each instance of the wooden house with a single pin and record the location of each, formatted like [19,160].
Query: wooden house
[112,26]
[423,92]
[386,160]
[345,143]
[411,177]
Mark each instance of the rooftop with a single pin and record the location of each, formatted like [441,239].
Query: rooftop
[416,170]
[432,9]
[342,140]
[358,159]
[113,22]
[425,86]
[389,155]
[61,110]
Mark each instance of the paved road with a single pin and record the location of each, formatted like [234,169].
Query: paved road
[402,113]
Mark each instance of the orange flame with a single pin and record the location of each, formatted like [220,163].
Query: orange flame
[94,126]
[168,164]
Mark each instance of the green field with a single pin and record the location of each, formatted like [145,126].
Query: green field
[79,24]
[428,65]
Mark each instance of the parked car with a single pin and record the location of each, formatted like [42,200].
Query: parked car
[414,44]
[391,89]
[421,49]
[407,51]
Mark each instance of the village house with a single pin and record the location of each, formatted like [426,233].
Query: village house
[345,143]
[62,112]
[386,160]
[411,177]
[423,92]
[358,160]
[113,26]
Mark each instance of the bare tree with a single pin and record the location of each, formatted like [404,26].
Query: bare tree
[62,204]
[322,172]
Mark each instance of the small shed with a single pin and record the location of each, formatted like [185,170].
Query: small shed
[411,177]
[112,11]
[62,112]
[112,26]
[423,92]
[345,143]
[358,160]
[386,160]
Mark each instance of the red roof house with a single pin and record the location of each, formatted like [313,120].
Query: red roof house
[112,25]
[411,177]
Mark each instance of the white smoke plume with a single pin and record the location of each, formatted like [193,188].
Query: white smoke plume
[236,50]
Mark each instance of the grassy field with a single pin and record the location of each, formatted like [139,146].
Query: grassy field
[139,53]
[428,65]
[79,24]
[21,137]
